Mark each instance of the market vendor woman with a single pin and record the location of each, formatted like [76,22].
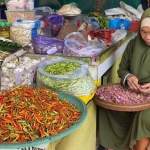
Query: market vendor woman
[128,130]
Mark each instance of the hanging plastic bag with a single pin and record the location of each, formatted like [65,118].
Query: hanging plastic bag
[66,75]
[76,45]
[119,24]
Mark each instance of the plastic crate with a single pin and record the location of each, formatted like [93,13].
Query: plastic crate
[134,26]
[24,15]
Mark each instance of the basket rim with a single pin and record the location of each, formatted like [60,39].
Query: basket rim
[119,106]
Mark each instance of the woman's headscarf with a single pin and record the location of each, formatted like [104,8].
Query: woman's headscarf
[141,55]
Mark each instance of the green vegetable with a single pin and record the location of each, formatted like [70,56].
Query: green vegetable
[83,86]
[8,46]
[61,68]
[103,20]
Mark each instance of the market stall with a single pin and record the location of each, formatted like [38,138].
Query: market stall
[67,54]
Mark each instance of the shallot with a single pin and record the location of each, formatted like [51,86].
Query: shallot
[117,93]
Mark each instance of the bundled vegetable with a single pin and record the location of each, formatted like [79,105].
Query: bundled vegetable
[29,114]
[103,20]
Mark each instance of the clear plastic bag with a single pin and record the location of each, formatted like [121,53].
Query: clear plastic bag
[76,45]
[118,35]
[93,21]
[69,9]
[21,32]
[78,82]
[47,45]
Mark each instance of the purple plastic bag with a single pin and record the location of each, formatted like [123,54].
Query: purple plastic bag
[55,22]
[47,45]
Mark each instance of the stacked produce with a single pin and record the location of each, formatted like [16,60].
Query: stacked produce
[66,75]
[19,71]
[22,31]
[119,94]
[30,114]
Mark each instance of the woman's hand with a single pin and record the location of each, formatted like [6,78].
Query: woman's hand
[145,88]
[132,82]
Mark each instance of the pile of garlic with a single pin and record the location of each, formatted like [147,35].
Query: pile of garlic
[19,71]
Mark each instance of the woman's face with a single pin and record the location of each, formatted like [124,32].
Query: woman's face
[145,33]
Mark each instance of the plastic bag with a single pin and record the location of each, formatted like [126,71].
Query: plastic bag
[119,24]
[118,35]
[78,82]
[21,32]
[69,9]
[76,45]
[55,22]
[47,45]
[44,10]
[93,21]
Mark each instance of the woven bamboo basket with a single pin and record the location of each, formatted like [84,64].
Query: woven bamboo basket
[119,106]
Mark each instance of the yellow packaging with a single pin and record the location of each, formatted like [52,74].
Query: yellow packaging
[86,99]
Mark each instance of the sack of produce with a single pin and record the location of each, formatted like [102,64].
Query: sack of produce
[47,45]
[66,75]
[76,45]
[22,31]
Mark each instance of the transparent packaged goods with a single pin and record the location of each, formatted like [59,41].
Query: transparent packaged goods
[21,31]
[13,15]
[19,71]
[77,82]
[19,4]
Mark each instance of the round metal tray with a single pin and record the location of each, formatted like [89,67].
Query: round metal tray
[119,106]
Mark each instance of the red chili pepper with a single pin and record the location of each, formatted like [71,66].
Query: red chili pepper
[28,114]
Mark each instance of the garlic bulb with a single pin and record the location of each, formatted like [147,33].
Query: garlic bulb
[19,72]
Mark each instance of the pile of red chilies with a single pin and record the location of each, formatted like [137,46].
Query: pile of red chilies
[29,114]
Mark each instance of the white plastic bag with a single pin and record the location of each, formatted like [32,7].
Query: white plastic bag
[76,45]
[135,13]
[118,35]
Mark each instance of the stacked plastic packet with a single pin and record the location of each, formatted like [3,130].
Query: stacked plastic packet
[20,9]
